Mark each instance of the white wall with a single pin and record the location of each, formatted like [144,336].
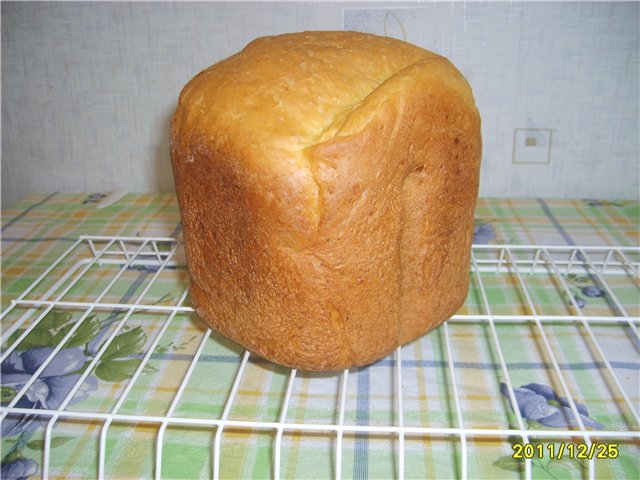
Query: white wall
[88,88]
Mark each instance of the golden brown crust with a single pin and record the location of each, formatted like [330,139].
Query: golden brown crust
[327,182]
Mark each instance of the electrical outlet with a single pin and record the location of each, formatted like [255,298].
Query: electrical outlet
[532,145]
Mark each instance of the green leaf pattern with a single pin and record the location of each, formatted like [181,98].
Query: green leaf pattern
[125,344]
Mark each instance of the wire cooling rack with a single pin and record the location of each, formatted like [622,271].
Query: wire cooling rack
[539,292]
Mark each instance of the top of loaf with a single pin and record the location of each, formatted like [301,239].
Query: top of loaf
[291,91]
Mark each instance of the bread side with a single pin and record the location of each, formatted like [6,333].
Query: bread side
[329,222]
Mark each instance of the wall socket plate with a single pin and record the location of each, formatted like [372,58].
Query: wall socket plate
[532,146]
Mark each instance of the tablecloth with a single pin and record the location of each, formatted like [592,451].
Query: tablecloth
[38,229]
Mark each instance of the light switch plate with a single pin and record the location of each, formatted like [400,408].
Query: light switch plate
[532,146]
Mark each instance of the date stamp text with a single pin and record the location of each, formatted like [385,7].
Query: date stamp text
[558,451]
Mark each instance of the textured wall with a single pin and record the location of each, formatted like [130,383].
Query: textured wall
[88,88]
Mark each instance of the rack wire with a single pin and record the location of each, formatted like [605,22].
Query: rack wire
[613,270]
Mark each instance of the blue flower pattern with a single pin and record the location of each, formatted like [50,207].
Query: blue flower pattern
[593,291]
[57,379]
[94,198]
[483,233]
[52,386]
[603,203]
[540,403]
[582,287]
[19,469]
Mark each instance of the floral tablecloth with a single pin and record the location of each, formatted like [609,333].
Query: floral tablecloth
[40,228]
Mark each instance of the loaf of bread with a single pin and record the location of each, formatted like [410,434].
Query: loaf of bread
[327,183]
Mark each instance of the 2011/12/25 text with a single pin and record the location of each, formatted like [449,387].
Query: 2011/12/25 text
[580,451]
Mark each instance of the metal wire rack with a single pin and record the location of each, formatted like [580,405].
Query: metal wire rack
[614,270]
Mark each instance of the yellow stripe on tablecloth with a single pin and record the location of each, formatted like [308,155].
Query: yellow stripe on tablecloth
[423,399]
[294,448]
[521,222]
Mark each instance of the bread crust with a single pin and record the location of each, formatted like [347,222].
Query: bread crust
[327,182]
